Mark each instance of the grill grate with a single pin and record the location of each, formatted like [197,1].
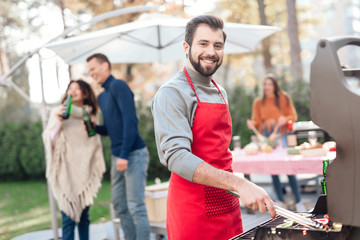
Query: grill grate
[250,234]
[269,225]
[268,231]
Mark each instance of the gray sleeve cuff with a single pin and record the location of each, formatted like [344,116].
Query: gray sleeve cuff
[184,164]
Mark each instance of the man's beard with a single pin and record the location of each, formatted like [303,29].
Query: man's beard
[203,70]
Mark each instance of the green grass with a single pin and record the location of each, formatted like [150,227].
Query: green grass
[24,208]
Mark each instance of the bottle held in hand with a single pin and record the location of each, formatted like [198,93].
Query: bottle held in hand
[68,105]
[90,129]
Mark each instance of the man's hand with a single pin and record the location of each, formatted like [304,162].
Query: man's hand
[256,198]
[121,164]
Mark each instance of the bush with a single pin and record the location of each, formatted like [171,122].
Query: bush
[146,128]
[11,140]
[240,104]
[22,150]
[299,91]
[106,143]
[31,155]
[300,94]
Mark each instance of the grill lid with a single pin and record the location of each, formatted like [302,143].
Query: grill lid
[335,107]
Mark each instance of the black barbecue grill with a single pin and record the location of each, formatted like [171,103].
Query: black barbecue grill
[335,108]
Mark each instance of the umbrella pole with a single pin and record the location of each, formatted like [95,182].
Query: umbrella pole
[52,203]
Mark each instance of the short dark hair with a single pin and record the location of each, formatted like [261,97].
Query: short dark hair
[101,58]
[212,21]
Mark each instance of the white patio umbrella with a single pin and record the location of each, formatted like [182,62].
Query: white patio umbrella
[152,38]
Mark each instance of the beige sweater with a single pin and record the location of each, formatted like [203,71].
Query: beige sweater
[75,165]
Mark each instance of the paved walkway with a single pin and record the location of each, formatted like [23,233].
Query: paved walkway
[105,231]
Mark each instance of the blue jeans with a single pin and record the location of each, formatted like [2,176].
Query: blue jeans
[292,178]
[68,226]
[128,195]
[279,187]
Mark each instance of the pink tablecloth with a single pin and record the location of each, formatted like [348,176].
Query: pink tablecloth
[277,162]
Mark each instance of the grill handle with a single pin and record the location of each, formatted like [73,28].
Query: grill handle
[339,42]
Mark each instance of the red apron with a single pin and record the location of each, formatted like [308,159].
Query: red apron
[196,211]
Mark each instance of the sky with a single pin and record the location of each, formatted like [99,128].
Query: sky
[53,87]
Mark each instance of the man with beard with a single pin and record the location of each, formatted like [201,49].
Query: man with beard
[193,133]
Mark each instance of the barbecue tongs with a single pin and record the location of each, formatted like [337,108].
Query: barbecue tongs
[293,216]
[300,219]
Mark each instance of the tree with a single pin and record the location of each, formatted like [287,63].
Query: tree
[245,12]
[266,42]
[13,107]
[8,19]
[95,7]
[293,33]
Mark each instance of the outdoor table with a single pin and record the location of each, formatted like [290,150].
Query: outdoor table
[278,162]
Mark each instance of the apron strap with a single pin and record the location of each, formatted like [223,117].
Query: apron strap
[218,90]
[193,88]
[190,82]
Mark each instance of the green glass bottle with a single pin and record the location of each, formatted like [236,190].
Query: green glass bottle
[323,181]
[87,121]
[68,105]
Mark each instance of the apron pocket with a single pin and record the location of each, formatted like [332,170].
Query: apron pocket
[218,202]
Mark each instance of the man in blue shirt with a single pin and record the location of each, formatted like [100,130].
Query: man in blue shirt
[130,157]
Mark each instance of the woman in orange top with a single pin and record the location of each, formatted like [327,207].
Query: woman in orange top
[270,112]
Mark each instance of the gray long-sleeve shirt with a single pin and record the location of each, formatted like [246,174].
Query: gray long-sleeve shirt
[173,110]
